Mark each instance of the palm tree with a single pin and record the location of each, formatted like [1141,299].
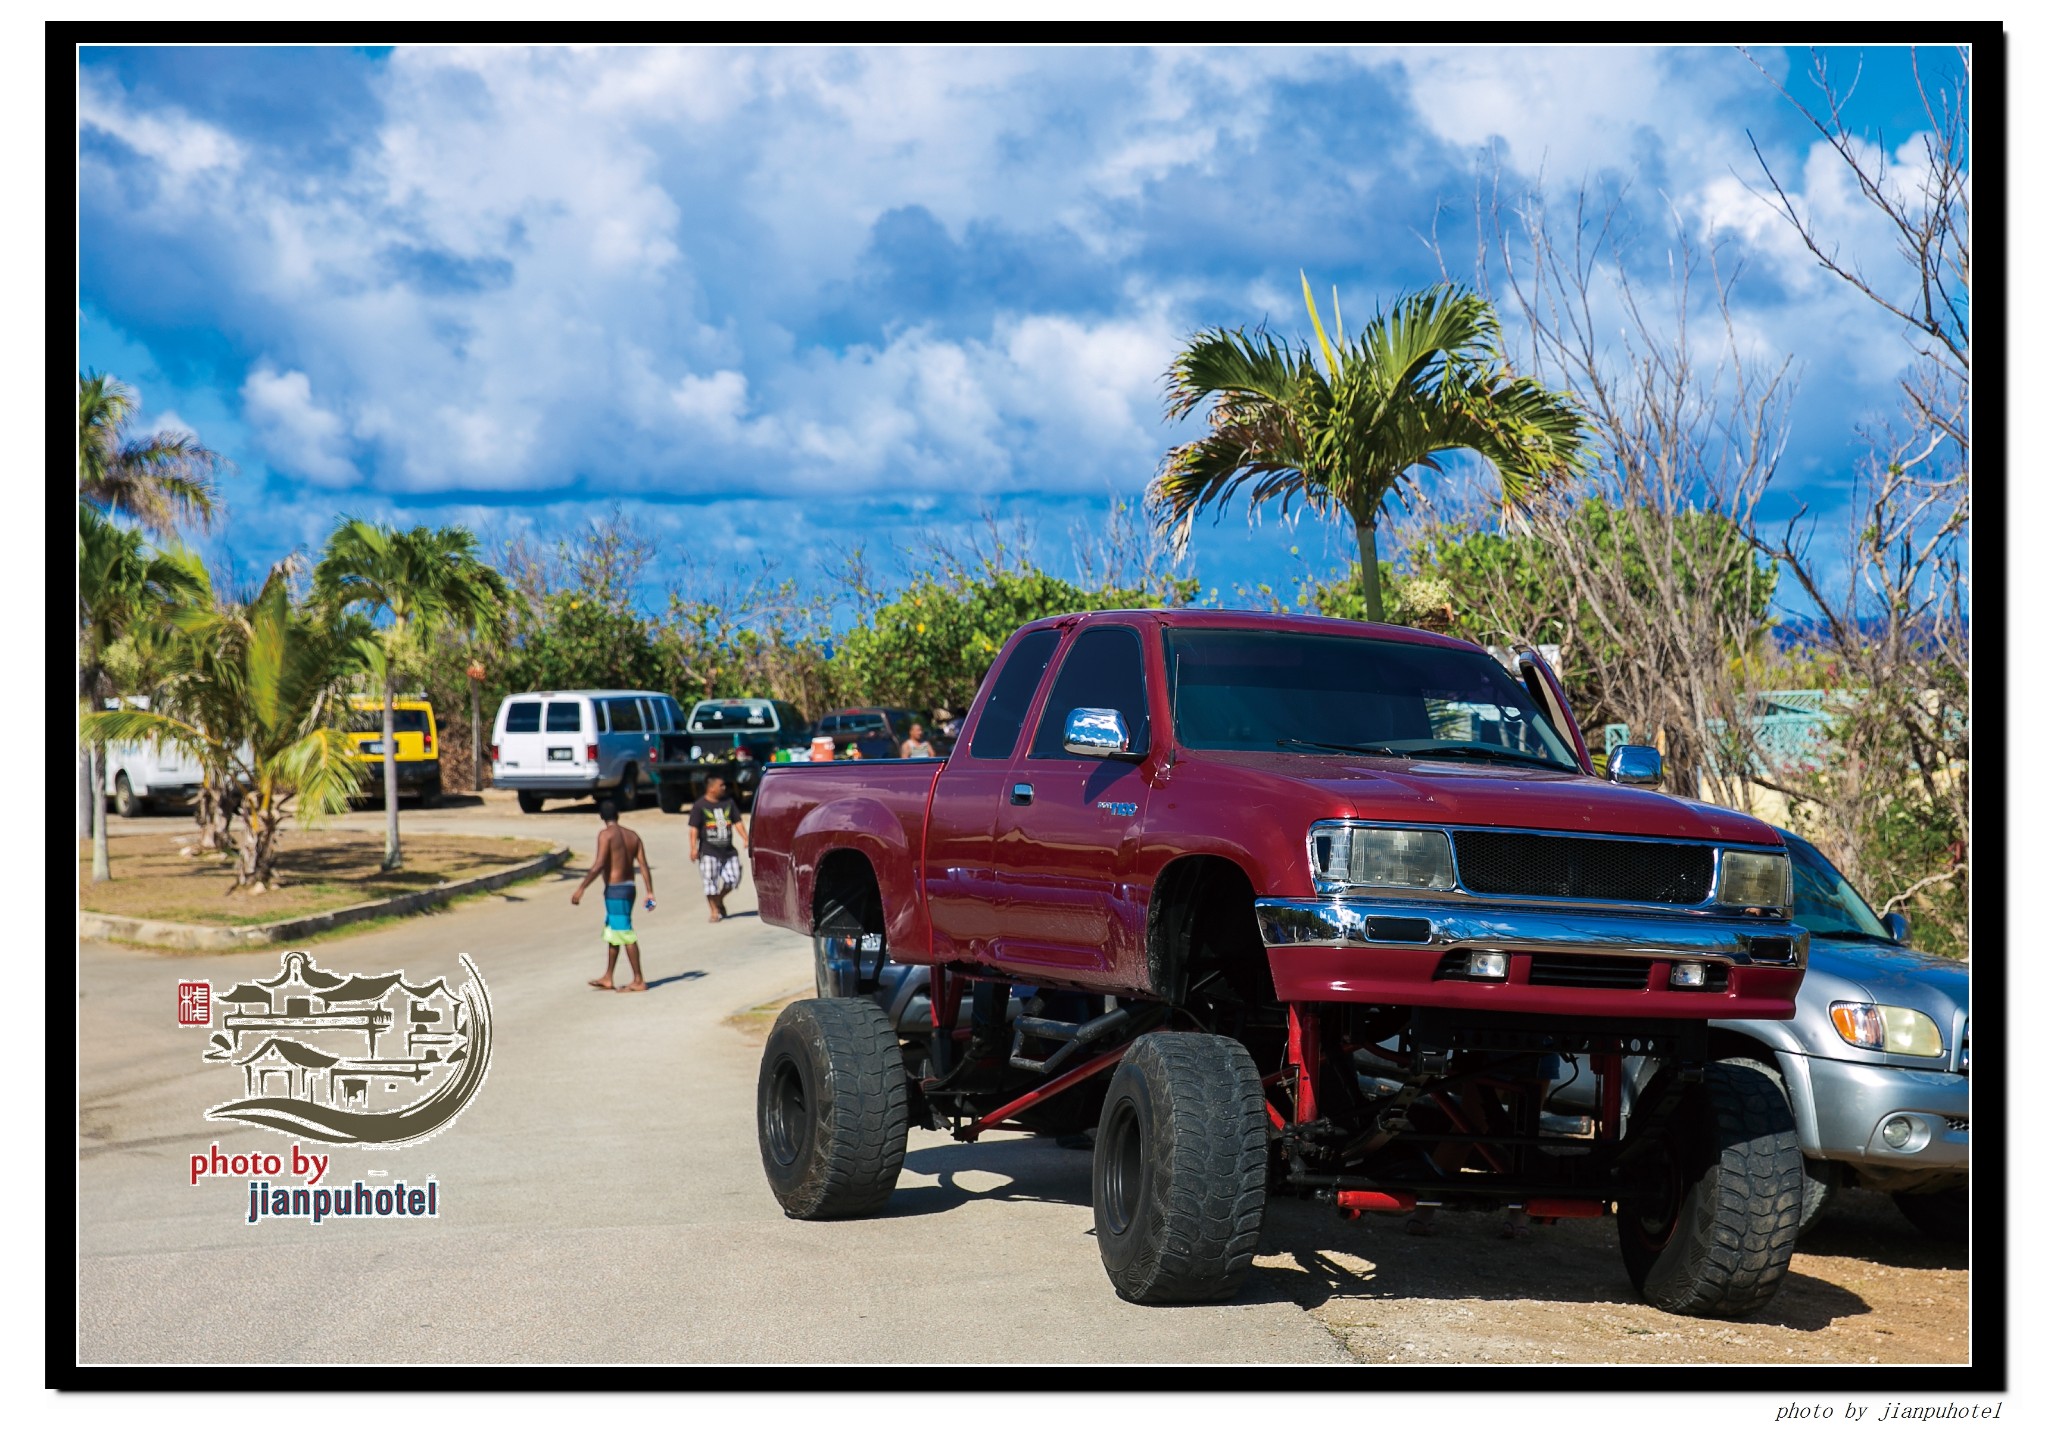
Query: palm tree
[123,587]
[252,692]
[158,480]
[1426,377]
[421,580]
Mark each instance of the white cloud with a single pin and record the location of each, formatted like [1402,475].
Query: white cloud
[175,143]
[301,438]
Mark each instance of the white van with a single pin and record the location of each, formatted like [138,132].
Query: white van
[580,743]
[142,775]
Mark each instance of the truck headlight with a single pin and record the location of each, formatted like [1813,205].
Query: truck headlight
[1756,878]
[1890,1027]
[1374,855]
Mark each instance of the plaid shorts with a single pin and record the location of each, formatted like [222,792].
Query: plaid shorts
[721,870]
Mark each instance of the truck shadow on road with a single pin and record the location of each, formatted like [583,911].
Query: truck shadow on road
[1375,1259]
[1372,1259]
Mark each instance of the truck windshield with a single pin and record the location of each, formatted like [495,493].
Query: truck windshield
[732,716]
[1308,692]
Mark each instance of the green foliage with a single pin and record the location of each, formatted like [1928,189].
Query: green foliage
[158,480]
[575,639]
[1426,377]
[250,691]
[930,646]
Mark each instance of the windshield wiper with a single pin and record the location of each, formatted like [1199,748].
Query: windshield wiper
[1863,935]
[1487,753]
[1340,746]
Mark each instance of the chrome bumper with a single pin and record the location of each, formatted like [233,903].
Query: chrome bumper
[1398,925]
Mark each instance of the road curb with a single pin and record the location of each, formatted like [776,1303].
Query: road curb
[171,935]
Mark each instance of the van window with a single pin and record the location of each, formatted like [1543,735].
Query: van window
[995,733]
[565,716]
[522,716]
[625,713]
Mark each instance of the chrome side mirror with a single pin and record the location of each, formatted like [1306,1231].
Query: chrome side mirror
[1897,926]
[1635,766]
[1098,731]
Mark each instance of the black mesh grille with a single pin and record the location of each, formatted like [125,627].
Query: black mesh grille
[1589,971]
[1492,862]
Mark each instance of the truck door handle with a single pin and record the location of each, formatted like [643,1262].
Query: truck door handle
[1020,794]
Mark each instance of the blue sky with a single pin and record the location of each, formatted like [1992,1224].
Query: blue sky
[777,302]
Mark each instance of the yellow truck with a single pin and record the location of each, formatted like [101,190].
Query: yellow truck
[415,736]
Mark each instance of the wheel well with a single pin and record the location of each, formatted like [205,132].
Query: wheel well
[1202,919]
[847,896]
[1727,1044]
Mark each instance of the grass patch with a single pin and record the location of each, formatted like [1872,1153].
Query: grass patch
[755,1023]
[319,870]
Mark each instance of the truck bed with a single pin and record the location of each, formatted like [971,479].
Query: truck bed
[876,809]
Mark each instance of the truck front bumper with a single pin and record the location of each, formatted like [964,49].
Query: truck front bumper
[1560,961]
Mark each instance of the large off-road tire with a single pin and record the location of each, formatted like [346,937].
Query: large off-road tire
[670,797]
[430,793]
[530,801]
[1715,1238]
[1944,1215]
[1820,1178]
[126,803]
[832,1108]
[1180,1169]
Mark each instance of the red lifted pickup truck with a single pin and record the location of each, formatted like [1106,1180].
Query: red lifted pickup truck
[1285,906]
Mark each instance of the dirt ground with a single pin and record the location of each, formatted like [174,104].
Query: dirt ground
[1865,1287]
[320,870]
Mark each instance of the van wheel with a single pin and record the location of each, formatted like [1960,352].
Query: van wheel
[1180,1169]
[1713,1238]
[530,801]
[833,1108]
[125,801]
[629,789]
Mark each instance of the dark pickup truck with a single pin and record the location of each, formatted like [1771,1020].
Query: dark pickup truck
[731,737]
[1285,906]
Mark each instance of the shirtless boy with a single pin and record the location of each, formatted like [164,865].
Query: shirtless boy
[617,851]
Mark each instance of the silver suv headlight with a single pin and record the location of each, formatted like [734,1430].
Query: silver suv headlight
[1890,1027]
[1345,854]
[1755,878]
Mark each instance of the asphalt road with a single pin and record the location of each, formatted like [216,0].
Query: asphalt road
[602,1198]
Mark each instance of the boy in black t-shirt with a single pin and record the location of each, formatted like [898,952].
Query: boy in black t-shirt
[715,821]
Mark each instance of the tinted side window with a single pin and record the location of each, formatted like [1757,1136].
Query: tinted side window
[625,713]
[995,733]
[672,714]
[1104,667]
[565,716]
[522,716]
